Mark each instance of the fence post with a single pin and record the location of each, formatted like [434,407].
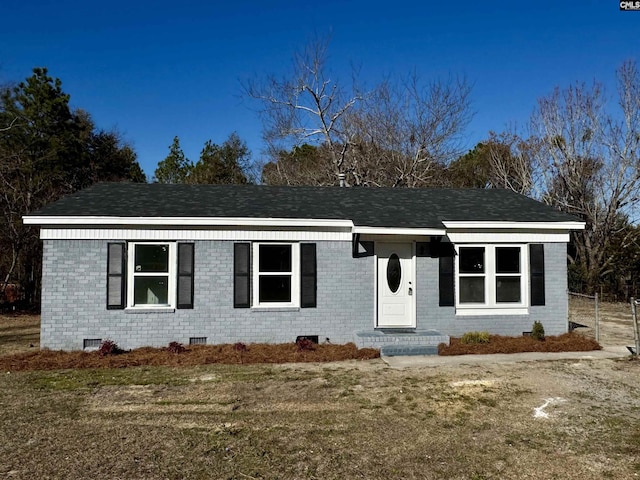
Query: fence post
[597,319]
[636,335]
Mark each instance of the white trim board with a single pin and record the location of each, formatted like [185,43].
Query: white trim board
[514,225]
[508,237]
[156,234]
[185,221]
[398,231]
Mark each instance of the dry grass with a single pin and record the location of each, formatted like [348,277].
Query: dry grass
[569,342]
[356,420]
[352,419]
[19,333]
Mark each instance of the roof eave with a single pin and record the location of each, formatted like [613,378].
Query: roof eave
[364,230]
[548,225]
[184,221]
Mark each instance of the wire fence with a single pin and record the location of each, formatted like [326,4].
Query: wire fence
[636,332]
[617,322]
[580,317]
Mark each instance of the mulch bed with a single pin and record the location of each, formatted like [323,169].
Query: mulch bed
[192,356]
[568,342]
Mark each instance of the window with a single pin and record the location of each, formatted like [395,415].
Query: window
[152,275]
[491,276]
[276,278]
[508,275]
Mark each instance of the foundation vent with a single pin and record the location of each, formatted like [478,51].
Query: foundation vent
[197,340]
[312,338]
[91,343]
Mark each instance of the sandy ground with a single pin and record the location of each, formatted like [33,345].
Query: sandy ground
[615,320]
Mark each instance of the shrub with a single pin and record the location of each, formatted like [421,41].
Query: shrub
[109,347]
[240,347]
[176,347]
[304,344]
[475,337]
[537,331]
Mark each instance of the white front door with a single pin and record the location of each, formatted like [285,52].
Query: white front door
[395,285]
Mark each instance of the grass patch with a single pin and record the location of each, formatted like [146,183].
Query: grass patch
[568,342]
[293,421]
[19,333]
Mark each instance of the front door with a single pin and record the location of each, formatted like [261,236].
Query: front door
[395,285]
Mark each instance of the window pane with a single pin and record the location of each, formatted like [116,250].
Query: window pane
[472,260]
[152,258]
[275,258]
[151,290]
[508,260]
[275,288]
[472,290]
[394,273]
[508,289]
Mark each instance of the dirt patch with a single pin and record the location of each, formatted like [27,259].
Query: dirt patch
[351,419]
[616,325]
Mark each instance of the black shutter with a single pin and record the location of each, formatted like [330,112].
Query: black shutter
[536,273]
[308,276]
[185,275]
[241,275]
[446,281]
[116,275]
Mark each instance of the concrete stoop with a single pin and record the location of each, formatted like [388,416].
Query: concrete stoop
[401,342]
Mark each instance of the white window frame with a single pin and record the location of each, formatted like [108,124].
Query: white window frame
[295,276]
[490,306]
[171,274]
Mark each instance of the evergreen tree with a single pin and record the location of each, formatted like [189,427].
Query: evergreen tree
[47,150]
[175,168]
[222,164]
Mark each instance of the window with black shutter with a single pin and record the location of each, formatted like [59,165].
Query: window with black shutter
[308,285]
[185,275]
[446,281]
[116,276]
[536,272]
[241,275]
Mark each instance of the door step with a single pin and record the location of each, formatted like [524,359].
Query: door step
[395,342]
[405,350]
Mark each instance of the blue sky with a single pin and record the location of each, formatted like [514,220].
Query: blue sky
[153,70]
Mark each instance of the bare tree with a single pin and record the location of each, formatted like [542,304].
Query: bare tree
[510,163]
[401,133]
[405,132]
[307,107]
[588,160]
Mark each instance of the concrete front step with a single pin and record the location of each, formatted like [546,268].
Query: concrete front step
[401,350]
[401,342]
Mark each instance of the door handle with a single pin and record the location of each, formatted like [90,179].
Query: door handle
[410,291]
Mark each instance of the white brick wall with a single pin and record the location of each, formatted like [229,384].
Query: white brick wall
[74,301]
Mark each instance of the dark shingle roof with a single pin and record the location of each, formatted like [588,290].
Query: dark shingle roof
[377,207]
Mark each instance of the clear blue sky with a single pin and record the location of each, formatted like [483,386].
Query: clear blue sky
[156,69]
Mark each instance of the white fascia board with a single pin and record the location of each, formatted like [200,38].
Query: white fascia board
[507,236]
[186,221]
[515,225]
[398,231]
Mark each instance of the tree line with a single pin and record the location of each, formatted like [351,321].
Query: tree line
[579,154]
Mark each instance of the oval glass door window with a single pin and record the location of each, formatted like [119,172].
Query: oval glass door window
[394,273]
